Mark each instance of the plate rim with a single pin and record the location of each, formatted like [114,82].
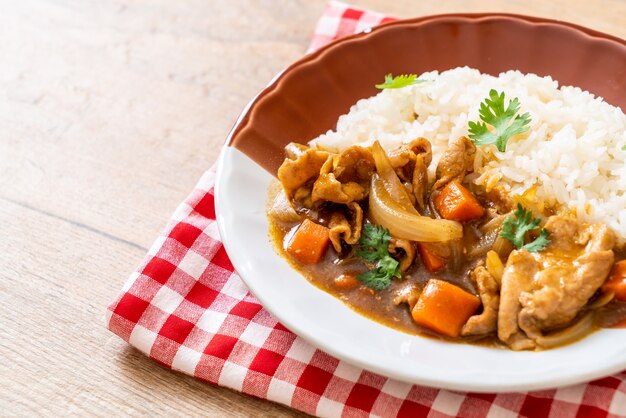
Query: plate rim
[460,383]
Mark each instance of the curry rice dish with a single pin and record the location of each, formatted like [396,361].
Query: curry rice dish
[466,207]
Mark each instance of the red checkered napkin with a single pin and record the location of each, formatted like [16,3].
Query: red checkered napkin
[186,308]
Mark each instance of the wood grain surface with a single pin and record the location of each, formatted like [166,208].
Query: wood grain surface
[109,113]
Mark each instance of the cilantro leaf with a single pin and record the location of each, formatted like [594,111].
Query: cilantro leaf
[538,244]
[399,81]
[374,243]
[504,122]
[374,248]
[623,147]
[515,228]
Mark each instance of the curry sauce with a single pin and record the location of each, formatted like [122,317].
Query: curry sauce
[378,306]
[379,232]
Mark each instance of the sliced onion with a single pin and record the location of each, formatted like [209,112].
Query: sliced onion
[495,266]
[604,299]
[493,225]
[490,232]
[502,246]
[456,256]
[385,211]
[569,335]
[390,179]
[484,244]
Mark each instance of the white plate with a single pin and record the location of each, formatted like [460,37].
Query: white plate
[324,321]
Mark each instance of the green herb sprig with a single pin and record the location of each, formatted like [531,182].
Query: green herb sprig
[374,248]
[399,81]
[505,122]
[517,226]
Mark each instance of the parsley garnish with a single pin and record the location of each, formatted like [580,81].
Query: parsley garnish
[515,228]
[374,248]
[399,81]
[505,122]
[623,147]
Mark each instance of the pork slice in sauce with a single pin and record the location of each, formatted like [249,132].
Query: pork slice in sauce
[546,290]
[301,167]
[354,164]
[410,163]
[408,252]
[576,264]
[342,228]
[517,278]
[455,163]
[488,290]
[344,178]
[402,158]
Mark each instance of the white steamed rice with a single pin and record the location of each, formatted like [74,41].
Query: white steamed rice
[572,153]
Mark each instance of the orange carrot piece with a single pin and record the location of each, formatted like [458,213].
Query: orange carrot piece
[444,307]
[309,243]
[346,281]
[431,260]
[456,203]
[616,282]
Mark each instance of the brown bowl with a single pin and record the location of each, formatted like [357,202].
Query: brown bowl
[307,98]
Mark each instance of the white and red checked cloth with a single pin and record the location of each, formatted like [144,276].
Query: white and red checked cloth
[187,308]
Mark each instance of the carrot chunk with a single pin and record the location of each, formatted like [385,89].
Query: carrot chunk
[309,243]
[432,261]
[444,307]
[456,203]
[616,282]
[346,281]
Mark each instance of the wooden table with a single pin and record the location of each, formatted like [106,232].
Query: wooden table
[109,113]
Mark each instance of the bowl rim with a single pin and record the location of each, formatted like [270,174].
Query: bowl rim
[243,120]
